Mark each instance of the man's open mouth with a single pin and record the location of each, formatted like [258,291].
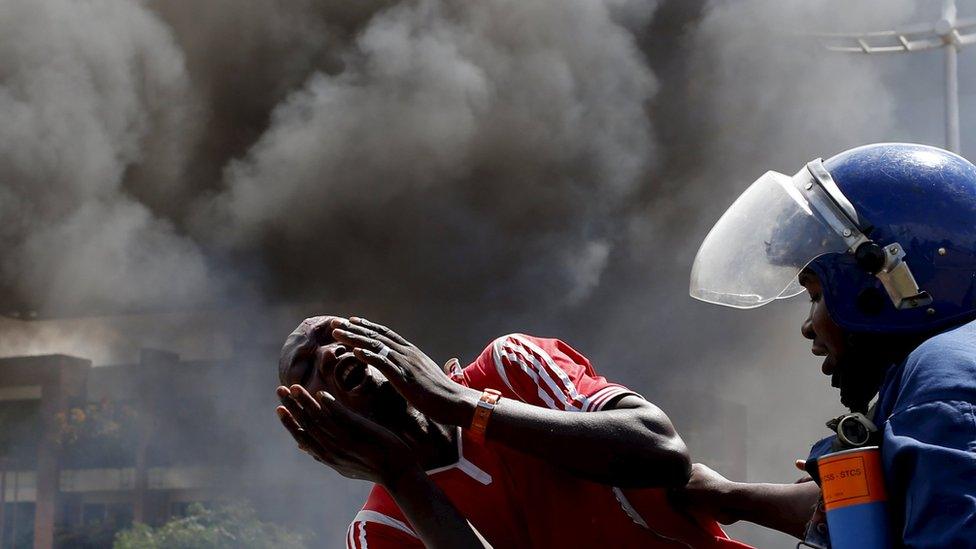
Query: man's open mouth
[350,373]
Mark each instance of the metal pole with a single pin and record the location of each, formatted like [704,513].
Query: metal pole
[13,511]
[952,77]
[3,496]
[952,97]
[949,33]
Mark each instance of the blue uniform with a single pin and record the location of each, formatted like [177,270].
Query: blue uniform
[927,413]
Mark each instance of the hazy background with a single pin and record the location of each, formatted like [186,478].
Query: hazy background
[187,176]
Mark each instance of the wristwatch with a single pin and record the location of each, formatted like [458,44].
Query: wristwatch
[482,412]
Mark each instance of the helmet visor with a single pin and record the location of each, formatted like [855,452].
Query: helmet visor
[756,250]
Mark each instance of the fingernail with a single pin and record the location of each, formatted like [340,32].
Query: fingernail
[325,395]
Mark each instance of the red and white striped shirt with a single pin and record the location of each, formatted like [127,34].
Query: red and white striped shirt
[516,500]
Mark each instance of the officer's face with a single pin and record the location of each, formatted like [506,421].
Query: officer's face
[828,338]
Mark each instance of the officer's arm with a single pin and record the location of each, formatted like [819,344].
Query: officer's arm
[783,507]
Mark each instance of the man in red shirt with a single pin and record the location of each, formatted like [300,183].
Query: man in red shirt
[491,453]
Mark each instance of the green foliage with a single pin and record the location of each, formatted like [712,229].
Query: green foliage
[226,527]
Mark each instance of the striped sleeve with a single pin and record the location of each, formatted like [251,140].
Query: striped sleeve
[371,529]
[543,372]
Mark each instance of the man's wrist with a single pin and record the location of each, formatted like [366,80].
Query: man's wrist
[396,479]
[465,406]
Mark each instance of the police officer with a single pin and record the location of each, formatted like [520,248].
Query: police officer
[883,239]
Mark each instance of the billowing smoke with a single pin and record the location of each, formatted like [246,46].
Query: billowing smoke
[452,133]
[278,142]
[457,169]
[89,92]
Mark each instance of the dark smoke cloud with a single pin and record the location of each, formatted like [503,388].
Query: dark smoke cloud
[181,143]
[452,133]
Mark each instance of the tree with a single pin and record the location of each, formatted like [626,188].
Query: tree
[226,527]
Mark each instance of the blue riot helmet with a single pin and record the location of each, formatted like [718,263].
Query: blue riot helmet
[889,228]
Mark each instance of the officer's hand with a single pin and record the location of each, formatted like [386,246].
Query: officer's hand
[349,443]
[801,464]
[418,378]
[707,493]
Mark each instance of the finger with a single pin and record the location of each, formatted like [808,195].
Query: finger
[801,464]
[305,400]
[284,395]
[320,331]
[293,407]
[342,418]
[321,449]
[372,335]
[310,418]
[379,328]
[357,341]
[301,436]
[315,419]
[329,403]
[394,373]
[341,426]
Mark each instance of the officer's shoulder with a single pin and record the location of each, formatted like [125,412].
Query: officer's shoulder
[949,347]
[944,366]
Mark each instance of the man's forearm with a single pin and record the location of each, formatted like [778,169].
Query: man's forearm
[627,447]
[434,518]
[783,507]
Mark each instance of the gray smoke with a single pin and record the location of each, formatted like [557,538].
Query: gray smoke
[91,90]
[456,169]
[461,132]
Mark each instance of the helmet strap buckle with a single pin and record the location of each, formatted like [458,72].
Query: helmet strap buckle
[899,282]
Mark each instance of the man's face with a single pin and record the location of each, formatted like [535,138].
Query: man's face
[313,359]
[828,338]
